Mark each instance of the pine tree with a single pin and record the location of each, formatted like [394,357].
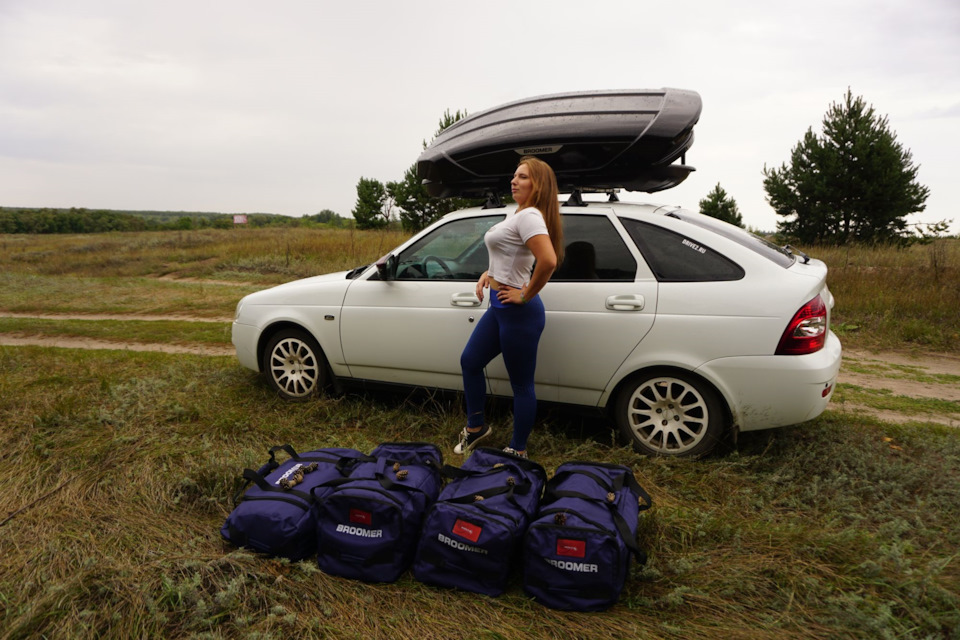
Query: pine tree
[417,208]
[372,210]
[855,182]
[719,205]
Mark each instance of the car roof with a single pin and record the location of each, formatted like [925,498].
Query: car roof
[670,216]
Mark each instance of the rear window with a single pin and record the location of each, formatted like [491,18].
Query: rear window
[676,258]
[742,237]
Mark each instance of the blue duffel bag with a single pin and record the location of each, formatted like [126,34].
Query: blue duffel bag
[274,515]
[577,552]
[368,522]
[473,533]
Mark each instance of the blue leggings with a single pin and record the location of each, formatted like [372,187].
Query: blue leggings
[513,330]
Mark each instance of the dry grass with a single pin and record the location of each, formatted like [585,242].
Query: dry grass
[263,256]
[886,297]
[200,273]
[120,467]
[891,298]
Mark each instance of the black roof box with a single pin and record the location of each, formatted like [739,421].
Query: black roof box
[627,139]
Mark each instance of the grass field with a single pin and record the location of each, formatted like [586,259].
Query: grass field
[119,468]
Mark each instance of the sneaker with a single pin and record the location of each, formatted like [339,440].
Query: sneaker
[519,454]
[469,440]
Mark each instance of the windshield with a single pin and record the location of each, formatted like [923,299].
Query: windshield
[454,251]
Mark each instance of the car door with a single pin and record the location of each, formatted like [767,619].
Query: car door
[600,303]
[412,329]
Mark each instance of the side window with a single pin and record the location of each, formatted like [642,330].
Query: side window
[676,258]
[594,250]
[454,251]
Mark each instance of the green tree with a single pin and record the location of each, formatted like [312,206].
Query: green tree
[417,208]
[719,205]
[326,216]
[374,205]
[853,182]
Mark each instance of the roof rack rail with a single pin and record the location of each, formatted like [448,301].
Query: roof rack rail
[576,196]
[575,199]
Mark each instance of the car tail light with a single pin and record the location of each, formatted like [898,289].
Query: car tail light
[807,330]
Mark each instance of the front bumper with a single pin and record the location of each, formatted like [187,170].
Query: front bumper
[244,338]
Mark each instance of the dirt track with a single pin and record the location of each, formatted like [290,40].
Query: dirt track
[897,372]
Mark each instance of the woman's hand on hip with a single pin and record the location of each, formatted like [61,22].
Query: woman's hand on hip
[482,284]
[509,295]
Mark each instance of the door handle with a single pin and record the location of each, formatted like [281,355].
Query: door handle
[625,303]
[464,300]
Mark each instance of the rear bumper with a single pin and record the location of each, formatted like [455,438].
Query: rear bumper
[764,392]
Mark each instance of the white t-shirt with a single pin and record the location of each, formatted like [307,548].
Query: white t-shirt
[511,262]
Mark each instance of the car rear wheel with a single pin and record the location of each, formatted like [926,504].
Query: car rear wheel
[294,364]
[670,414]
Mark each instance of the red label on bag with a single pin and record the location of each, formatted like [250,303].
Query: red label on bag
[361,517]
[467,530]
[571,548]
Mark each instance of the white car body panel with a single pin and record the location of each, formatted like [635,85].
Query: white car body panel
[426,332]
[765,392]
[571,367]
[599,333]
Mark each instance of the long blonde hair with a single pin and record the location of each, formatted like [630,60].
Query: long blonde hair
[544,196]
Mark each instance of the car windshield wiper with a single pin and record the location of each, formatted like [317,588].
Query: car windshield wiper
[796,252]
[353,273]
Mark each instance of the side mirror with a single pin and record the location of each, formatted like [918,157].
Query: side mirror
[387,267]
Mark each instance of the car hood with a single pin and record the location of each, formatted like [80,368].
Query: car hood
[328,288]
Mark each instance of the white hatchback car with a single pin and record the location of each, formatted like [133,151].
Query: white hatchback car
[680,326]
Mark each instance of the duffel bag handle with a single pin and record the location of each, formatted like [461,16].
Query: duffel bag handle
[457,473]
[261,482]
[521,488]
[268,467]
[345,461]
[287,448]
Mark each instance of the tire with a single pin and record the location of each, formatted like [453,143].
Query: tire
[669,414]
[295,365]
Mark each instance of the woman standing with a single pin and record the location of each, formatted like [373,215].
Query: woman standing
[512,325]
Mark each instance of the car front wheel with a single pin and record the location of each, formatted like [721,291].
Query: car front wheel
[294,364]
[670,414]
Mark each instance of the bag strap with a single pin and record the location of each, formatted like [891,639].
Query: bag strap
[510,490]
[261,482]
[456,473]
[600,480]
[268,467]
[287,448]
[640,492]
[624,479]
[345,461]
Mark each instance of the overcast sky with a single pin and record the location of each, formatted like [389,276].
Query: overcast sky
[280,107]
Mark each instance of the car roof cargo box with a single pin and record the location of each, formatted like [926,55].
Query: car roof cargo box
[626,139]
